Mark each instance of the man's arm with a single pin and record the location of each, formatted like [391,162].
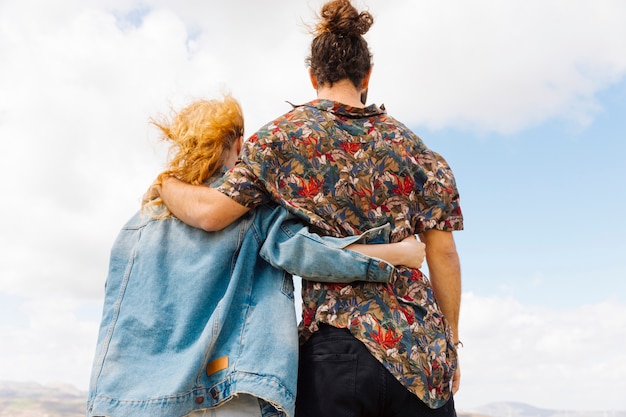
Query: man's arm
[445,276]
[200,206]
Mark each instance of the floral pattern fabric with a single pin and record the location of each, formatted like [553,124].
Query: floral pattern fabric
[345,170]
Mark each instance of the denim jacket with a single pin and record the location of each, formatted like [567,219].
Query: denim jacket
[192,318]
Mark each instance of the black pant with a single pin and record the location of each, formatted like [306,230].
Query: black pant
[339,377]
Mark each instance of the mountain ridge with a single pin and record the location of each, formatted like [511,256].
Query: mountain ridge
[519,409]
[33,399]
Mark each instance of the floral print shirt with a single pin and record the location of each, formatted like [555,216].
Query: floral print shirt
[345,170]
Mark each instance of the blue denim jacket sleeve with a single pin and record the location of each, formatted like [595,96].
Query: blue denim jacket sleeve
[290,246]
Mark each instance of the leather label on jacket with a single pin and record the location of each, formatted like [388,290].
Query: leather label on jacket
[217,365]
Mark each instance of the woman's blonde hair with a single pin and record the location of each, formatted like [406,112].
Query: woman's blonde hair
[201,135]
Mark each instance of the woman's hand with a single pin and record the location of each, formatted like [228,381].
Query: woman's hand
[411,252]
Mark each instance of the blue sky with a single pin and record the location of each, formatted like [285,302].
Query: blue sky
[544,207]
[525,99]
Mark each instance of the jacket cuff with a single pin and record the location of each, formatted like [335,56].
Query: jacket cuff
[379,271]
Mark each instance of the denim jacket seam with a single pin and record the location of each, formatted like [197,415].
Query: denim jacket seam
[117,306]
[374,271]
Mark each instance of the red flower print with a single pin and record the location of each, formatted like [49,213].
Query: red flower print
[416,275]
[307,143]
[336,287]
[350,147]
[385,338]
[410,316]
[364,193]
[310,188]
[308,315]
[405,186]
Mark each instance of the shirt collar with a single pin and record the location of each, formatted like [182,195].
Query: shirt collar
[344,110]
[217,179]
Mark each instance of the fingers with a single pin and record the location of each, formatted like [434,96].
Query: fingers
[413,252]
[152,194]
[456,381]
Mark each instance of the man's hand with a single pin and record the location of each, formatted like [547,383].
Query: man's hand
[456,380]
[153,192]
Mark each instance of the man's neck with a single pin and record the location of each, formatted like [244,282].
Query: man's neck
[343,92]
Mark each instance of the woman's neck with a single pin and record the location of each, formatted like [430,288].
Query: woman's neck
[343,92]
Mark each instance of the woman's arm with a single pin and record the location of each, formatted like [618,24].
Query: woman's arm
[409,252]
[289,245]
[200,206]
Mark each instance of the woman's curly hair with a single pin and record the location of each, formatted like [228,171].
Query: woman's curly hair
[339,51]
[200,134]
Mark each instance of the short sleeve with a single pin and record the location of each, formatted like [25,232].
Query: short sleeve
[242,183]
[442,209]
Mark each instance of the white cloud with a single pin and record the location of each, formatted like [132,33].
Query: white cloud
[548,357]
[497,66]
[54,346]
[79,80]
[551,358]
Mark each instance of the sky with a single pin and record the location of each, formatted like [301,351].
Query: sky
[525,99]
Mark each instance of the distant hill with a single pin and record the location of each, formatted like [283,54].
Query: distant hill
[513,409]
[30,399]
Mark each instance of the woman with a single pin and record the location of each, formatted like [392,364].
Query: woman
[198,323]
[343,167]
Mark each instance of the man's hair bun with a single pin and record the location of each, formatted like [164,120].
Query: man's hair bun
[340,17]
